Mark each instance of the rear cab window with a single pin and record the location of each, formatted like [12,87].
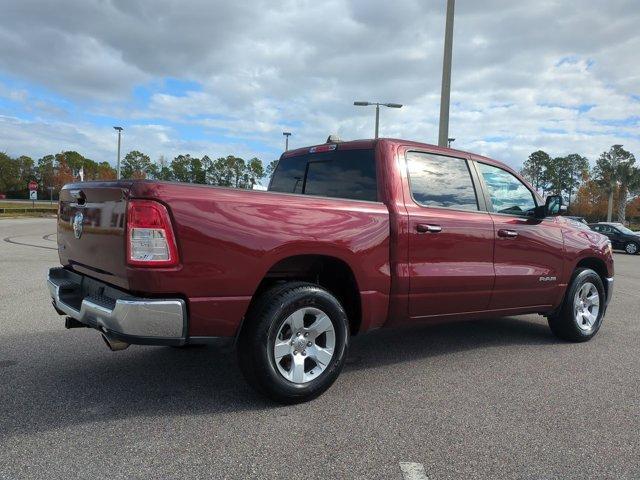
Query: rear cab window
[440,181]
[336,173]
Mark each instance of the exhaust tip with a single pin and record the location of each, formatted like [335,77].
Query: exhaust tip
[113,344]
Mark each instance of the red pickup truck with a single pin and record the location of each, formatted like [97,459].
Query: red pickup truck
[351,237]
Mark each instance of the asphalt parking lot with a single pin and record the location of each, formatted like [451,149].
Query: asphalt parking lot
[493,399]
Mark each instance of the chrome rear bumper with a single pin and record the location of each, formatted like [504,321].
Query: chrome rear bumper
[112,311]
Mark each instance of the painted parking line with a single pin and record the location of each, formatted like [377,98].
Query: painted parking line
[15,242]
[413,471]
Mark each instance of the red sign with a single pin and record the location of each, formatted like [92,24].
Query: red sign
[33,185]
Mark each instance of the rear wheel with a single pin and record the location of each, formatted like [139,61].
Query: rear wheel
[631,248]
[294,342]
[581,314]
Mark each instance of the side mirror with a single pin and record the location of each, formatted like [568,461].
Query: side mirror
[552,206]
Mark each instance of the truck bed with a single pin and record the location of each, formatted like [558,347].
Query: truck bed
[227,240]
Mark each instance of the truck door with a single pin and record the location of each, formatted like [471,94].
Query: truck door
[528,254]
[450,237]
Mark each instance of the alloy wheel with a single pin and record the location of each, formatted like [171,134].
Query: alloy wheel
[586,306]
[304,345]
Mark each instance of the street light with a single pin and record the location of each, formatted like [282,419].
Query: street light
[445,94]
[286,140]
[450,141]
[377,104]
[119,129]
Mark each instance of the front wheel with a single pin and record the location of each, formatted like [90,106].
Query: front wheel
[294,342]
[631,248]
[582,311]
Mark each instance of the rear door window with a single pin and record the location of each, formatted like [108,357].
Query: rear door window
[439,181]
[338,173]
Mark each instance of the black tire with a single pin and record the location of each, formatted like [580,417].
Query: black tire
[631,248]
[563,323]
[258,336]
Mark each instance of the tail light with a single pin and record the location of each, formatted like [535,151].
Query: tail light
[150,239]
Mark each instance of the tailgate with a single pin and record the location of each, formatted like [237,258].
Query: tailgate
[91,230]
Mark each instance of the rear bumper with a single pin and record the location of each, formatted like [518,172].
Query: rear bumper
[147,321]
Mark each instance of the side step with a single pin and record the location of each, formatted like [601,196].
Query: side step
[73,323]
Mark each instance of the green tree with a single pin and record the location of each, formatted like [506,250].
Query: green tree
[628,183]
[226,171]
[46,171]
[181,168]
[161,170]
[197,172]
[63,173]
[551,180]
[271,168]
[73,160]
[136,165]
[576,171]
[26,171]
[253,173]
[563,175]
[9,173]
[534,168]
[165,173]
[608,173]
[105,172]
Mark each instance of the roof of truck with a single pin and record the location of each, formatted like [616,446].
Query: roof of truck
[371,142]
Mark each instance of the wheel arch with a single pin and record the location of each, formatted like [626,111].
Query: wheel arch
[330,272]
[597,265]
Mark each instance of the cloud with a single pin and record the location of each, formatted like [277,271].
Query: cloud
[526,75]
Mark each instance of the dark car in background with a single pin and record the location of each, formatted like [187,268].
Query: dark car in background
[621,237]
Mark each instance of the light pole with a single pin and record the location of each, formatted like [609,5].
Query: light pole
[119,129]
[286,140]
[377,104]
[450,141]
[445,95]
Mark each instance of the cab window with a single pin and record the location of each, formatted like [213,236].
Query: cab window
[338,173]
[507,193]
[439,181]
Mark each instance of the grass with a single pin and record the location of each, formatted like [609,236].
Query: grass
[20,214]
[23,205]
[10,209]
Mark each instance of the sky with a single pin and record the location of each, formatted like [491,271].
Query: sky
[228,77]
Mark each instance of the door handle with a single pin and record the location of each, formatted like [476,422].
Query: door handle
[507,233]
[426,228]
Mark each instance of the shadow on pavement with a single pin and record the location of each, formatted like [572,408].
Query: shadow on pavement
[48,387]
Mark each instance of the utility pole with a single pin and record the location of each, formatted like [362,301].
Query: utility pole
[119,129]
[286,140]
[377,119]
[445,95]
